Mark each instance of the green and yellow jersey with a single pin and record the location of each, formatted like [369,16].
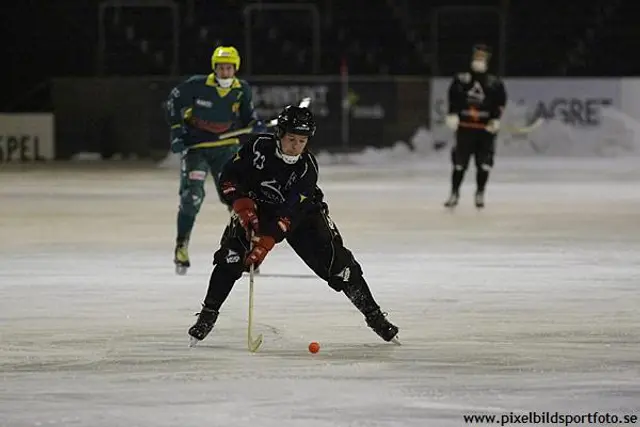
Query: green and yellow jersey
[207,110]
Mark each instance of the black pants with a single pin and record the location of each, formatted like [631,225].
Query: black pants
[473,142]
[316,240]
[479,144]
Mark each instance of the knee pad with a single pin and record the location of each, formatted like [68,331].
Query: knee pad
[192,197]
[485,161]
[349,274]
[458,160]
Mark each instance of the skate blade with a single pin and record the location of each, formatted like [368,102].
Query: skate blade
[193,342]
[396,341]
[254,345]
[181,270]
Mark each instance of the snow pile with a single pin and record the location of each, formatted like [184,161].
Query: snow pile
[617,135]
[400,151]
[421,144]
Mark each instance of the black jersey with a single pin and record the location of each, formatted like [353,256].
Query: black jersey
[476,98]
[279,189]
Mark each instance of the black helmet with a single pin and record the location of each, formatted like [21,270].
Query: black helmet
[297,120]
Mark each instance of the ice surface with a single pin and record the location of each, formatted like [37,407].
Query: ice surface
[532,304]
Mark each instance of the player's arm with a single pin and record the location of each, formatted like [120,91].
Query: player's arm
[178,105]
[498,104]
[500,100]
[456,100]
[179,102]
[248,114]
[318,200]
[456,96]
[301,198]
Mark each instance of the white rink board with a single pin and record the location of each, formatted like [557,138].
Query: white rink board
[26,137]
[582,117]
[531,304]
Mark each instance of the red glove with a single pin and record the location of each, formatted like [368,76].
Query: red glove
[245,208]
[260,248]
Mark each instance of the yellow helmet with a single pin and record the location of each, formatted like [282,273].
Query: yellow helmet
[225,55]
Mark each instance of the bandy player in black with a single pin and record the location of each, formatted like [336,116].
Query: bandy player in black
[271,187]
[476,102]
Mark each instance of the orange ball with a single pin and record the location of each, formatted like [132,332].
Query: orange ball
[314,347]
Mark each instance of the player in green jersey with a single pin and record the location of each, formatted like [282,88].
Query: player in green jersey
[199,111]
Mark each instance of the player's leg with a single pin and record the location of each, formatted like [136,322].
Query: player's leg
[228,264]
[319,244]
[193,173]
[484,157]
[460,155]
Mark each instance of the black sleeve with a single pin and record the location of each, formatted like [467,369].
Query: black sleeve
[180,98]
[500,100]
[456,97]
[301,198]
[236,173]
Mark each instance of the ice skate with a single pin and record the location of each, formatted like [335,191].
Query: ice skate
[206,319]
[479,200]
[381,326]
[452,201]
[181,258]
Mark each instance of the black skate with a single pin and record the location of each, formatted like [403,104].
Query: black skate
[181,258]
[479,200]
[452,201]
[206,319]
[386,330]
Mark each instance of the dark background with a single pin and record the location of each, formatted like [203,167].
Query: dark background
[104,68]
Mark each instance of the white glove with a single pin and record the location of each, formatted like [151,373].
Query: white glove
[452,121]
[493,126]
